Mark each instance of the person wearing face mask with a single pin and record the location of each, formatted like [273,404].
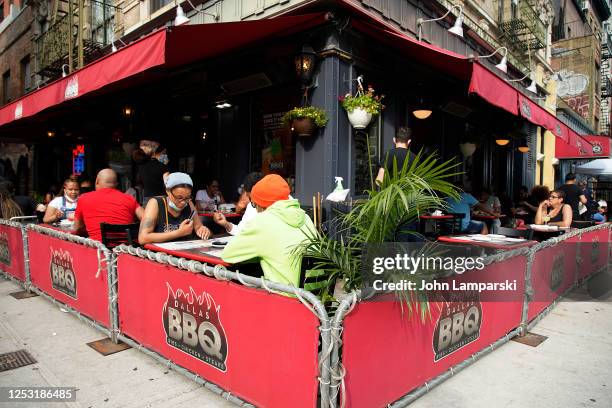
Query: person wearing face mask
[151,174]
[63,207]
[173,217]
[86,185]
[250,211]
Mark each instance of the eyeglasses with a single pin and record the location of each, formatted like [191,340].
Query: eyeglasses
[552,196]
[180,199]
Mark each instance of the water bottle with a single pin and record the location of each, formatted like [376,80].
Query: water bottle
[216,199]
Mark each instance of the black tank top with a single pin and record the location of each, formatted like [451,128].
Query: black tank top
[166,222]
[559,216]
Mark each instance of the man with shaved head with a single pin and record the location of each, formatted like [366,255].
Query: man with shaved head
[105,204]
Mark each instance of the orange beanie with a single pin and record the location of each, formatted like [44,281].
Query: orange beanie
[270,189]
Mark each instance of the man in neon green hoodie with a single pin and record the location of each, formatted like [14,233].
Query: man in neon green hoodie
[274,233]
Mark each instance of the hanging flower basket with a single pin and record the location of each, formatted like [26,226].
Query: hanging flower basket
[305,120]
[362,106]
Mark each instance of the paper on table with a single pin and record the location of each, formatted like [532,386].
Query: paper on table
[537,227]
[178,245]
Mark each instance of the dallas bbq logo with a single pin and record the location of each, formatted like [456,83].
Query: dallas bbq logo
[18,110]
[72,88]
[5,249]
[192,325]
[525,109]
[558,269]
[457,326]
[597,149]
[63,277]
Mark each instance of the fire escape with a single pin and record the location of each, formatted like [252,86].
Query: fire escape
[606,83]
[522,29]
[76,36]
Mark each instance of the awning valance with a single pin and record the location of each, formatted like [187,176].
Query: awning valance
[583,147]
[165,48]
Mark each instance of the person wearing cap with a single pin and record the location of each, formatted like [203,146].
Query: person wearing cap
[173,217]
[250,211]
[601,214]
[274,234]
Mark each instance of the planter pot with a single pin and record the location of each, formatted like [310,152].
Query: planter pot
[303,126]
[359,118]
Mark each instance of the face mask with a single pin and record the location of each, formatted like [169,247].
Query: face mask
[173,206]
[163,158]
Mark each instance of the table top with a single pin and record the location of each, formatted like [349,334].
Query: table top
[436,217]
[227,215]
[197,250]
[68,229]
[494,241]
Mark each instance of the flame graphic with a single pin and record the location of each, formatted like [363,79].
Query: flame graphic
[61,257]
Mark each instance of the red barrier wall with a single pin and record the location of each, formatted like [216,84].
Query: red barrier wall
[552,273]
[67,272]
[262,347]
[11,252]
[594,252]
[387,354]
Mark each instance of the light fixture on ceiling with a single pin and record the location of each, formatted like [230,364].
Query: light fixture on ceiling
[204,135]
[127,111]
[222,104]
[502,140]
[456,29]
[503,64]
[50,133]
[523,147]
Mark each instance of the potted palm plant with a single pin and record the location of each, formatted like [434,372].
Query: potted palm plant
[404,194]
[362,106]
[305,120]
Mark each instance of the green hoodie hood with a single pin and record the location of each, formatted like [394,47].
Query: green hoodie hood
[289,212]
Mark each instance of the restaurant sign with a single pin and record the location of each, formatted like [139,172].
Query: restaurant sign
[458,325]
[192,325]
[5,249]
[72,88]
[63,277]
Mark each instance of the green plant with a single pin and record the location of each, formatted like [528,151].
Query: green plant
[368,101]
[316,114]
[404,194]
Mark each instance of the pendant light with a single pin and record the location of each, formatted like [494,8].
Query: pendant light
[523,147]
[502,140]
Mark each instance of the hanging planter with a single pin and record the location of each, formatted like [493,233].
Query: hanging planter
[359,118]
[361,107]
[304,121]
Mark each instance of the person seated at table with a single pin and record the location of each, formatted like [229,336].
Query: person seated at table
[530,203]
[174,217]
[63,207]
[601,214]
[554,211]
[209,197]
[8,207]
[250,211]
[493,206]
[105,204]
[464,206]
[275,234]
[86,185]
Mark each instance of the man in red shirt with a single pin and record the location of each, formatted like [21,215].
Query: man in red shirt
[106,204]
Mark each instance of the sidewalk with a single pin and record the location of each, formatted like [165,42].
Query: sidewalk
[572,368]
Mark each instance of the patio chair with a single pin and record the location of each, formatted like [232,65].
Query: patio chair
[117,234]
[516,233]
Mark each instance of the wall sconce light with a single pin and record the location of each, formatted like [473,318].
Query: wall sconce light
[523,147]
[50,133]
[456,29]
[502,140]
[304,65]
[180,18]
[503,65]
[127,111]
[64,73]
[532,86]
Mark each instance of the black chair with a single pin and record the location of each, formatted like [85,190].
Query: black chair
[117,234]
[582,224]
[516,233]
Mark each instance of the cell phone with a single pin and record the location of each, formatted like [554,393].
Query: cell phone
[219,243]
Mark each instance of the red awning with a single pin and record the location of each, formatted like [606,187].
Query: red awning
[492,89]
[540,116]
[168,47]
[582,147]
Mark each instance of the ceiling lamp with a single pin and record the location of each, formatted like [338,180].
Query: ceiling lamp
[502,141]
[523,146]
[223,105]
[422,113]
[503,65]
[456,29]
[127,111]
[50,133]
[180,18]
